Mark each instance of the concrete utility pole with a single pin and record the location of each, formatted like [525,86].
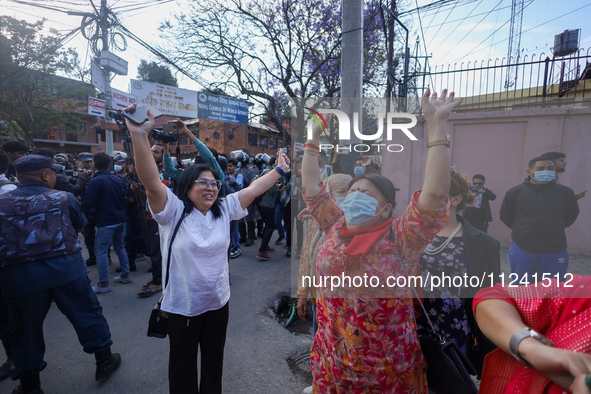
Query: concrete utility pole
[104,26]
[352,70]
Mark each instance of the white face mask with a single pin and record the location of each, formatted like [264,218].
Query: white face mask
[118,168]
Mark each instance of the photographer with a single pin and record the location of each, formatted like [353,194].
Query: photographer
[203,150]
[61,182]
[197,294]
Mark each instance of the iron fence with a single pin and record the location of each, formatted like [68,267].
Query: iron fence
[538,82]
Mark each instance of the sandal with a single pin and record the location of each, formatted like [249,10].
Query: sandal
[147,291]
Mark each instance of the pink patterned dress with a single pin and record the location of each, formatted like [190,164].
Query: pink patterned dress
[366,340]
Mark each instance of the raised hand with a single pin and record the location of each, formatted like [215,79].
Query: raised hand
[143,129]
[282,160]
[317,129]
[437,109]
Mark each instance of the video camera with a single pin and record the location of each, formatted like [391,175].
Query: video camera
[166,135]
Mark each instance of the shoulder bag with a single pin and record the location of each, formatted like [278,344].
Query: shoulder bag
[158,322]
[448,369]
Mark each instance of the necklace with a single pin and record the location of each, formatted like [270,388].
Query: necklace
[438,250]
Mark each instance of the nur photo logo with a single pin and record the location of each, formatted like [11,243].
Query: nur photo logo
[344,130]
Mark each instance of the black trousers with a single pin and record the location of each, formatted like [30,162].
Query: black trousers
[26,314]
[89,233]
[4,328]
[268,215]
[187,334]
[155,253]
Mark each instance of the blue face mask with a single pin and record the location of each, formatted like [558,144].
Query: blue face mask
[339,200]
[118,168]
[263,166]
[63,168]
[359,171]
[544,177]
[359,207]
[239,165]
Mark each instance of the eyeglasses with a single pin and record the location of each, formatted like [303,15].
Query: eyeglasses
[202,183]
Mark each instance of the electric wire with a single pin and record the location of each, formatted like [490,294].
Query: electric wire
[535,27]
[471,30]
[460,24]
[161,56]
[424,43]
[441,25]
[434,16]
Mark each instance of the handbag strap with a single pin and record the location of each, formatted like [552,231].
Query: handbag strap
[176,229]
[441,339]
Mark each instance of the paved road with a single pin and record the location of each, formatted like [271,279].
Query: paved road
[256,347]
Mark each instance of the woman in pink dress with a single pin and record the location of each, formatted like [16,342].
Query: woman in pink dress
[367,340]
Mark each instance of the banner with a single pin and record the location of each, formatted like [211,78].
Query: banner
[120,100]
[223,108]
[169,100]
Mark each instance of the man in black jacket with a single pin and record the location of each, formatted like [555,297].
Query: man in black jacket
[480,216]
[538,211]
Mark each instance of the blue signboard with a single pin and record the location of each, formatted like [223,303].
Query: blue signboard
[222,108]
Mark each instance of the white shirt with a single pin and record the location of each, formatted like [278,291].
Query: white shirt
[199,278]
[6,188]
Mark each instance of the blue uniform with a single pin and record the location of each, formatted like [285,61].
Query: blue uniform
[30,286]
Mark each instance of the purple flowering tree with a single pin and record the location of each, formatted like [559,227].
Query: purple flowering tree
[273,50]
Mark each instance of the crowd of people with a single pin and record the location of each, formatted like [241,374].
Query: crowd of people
[145,204]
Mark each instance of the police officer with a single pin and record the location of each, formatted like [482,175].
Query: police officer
[40,261]
[89,232]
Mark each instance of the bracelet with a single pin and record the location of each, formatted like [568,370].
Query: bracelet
[519,336]
[310,145]
[280,171]
[312,152]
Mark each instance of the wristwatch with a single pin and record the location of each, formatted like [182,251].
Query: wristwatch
[520,335]
[446,141]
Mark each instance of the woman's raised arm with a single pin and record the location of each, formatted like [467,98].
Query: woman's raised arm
[144,162]
[247,195]
[310,170]
[436,185]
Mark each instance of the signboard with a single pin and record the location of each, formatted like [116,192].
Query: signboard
[98,77]
[223,108]
[96,106]
[120,100]
[169,100]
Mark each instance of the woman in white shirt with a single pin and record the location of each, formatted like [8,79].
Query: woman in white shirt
[198,290]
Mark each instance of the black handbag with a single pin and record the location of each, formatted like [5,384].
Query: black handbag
[158,322]
[448,369]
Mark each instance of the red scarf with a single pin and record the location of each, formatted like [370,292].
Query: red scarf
[364,239]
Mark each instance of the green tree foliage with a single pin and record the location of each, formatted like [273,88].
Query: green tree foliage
[153,72]
[33,99]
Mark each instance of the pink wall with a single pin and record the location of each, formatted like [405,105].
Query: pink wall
[499,145]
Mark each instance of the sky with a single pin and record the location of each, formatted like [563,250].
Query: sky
[472,30]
